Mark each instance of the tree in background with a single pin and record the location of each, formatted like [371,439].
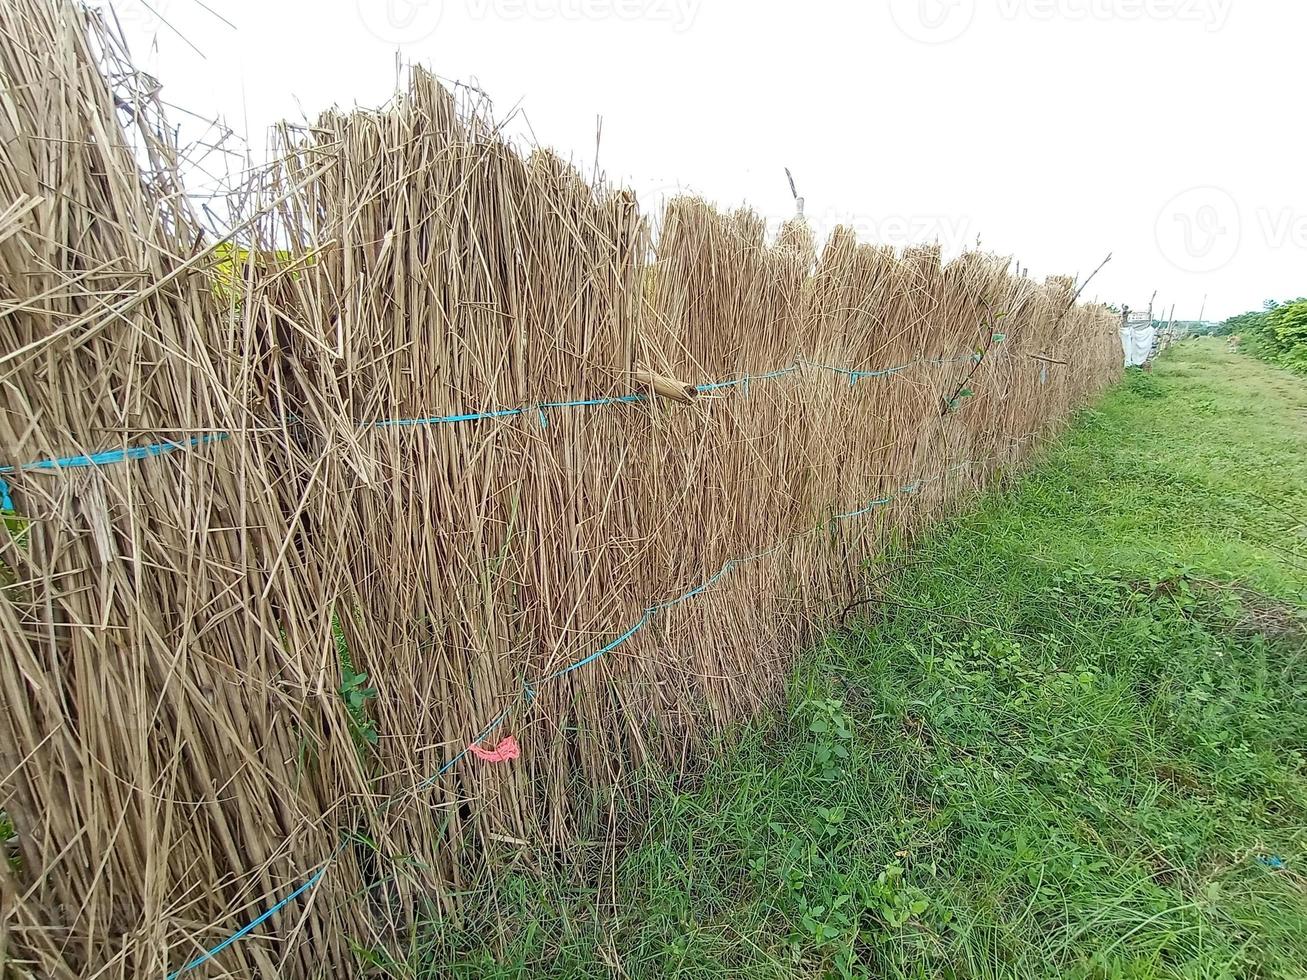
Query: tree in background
[1276,333]
[1289,328]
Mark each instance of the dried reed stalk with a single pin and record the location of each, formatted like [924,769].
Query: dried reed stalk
[177,754]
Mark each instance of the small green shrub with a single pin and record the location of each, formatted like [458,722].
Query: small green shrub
[1142,383]
[356,694]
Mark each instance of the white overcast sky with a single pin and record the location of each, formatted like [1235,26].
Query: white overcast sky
[1167,132]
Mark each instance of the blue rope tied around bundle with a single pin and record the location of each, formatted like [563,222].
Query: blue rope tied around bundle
[855,376]
[253,924]
[160,448]
[105,458]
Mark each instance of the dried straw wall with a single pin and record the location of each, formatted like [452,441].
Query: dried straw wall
[178,757]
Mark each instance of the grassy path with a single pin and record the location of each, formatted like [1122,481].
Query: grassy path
[1069,741]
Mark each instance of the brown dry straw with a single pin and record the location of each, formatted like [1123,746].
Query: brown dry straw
[179,756]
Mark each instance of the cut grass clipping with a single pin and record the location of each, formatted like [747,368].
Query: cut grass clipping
[1067,739]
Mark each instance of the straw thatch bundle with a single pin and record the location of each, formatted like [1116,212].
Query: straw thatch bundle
[179,753]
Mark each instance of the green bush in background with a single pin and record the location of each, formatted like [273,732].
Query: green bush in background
[1277,333]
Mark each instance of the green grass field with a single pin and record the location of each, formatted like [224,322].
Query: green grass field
[1068,740]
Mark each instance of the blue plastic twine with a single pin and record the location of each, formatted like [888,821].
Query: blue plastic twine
[253,924]
[101,459]
[158,449]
